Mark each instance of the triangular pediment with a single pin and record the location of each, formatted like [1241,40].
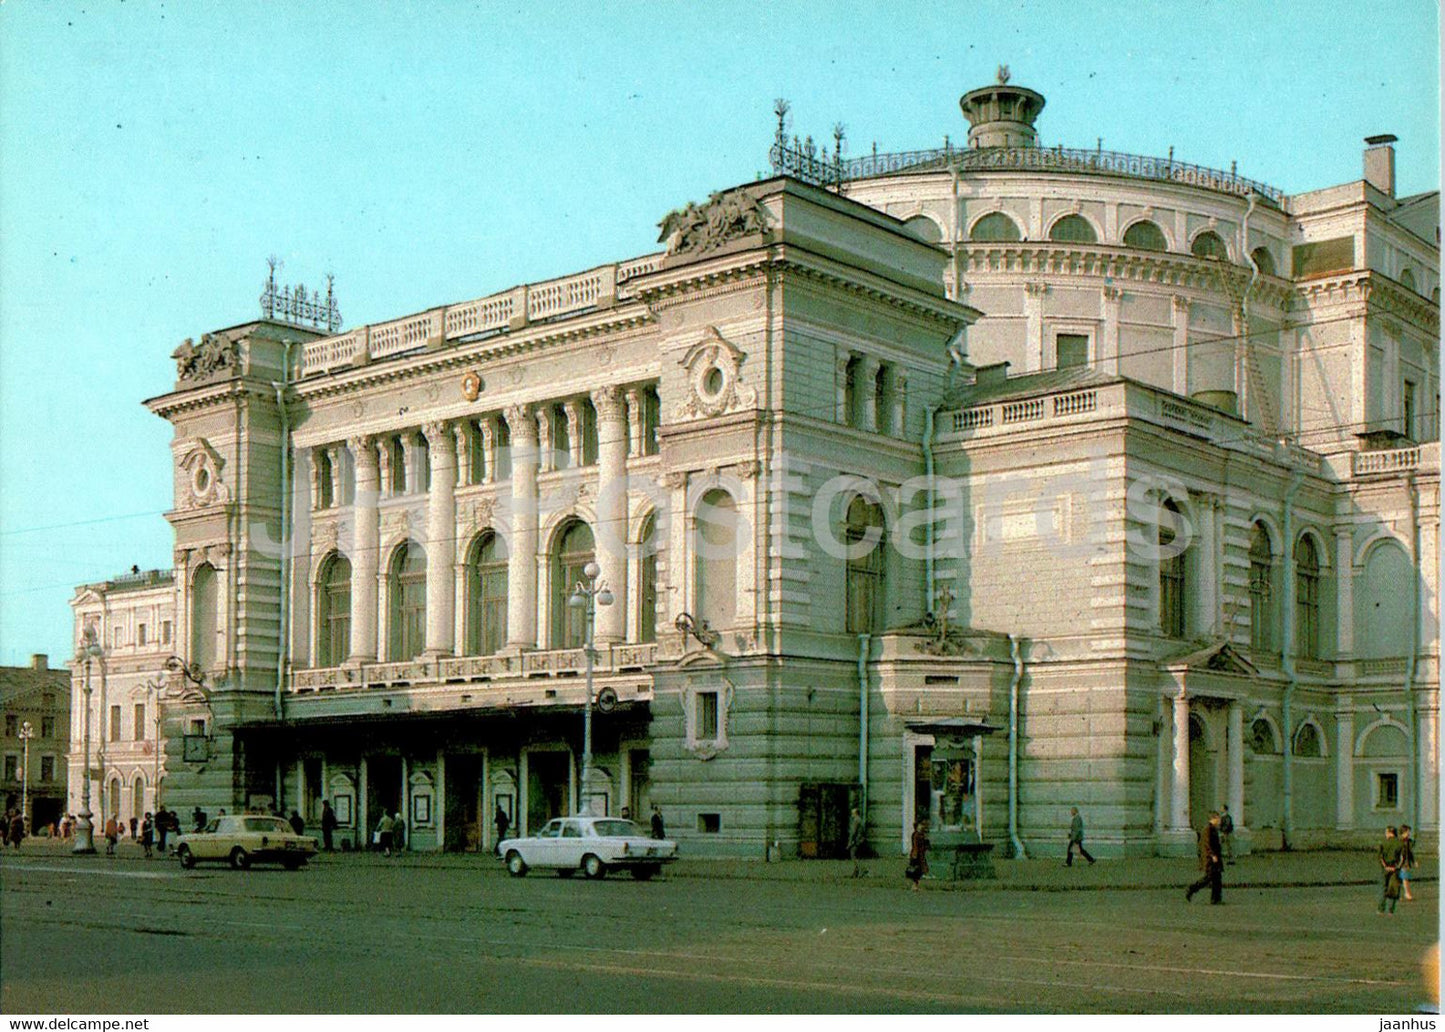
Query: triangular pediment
[1218,657]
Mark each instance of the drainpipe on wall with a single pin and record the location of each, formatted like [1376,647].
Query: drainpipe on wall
[863,640]
[1286,660]
[284,637]
[1415,780]
[1015,651]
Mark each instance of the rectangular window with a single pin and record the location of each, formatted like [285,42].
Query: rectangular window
[651,421]
[1387,791]
[1072,350]
[140,634]
[12,768]
[47,768]
[589,434]
[165,632]
[115,723]
[12,725]
[47,727]
[198,726]
[709,823]
[707,716]
[140,722]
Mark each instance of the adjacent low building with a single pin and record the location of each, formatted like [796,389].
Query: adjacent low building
[967,485]
[35,711]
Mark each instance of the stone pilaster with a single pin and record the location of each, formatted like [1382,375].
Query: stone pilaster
[441,532]
[1345,592]
[1179,801]
[365,554]
[541,421]
[1344,763]
[865,384]
[489,449]
[572,411]
[522,555]
[1108,348]
[634,422]
[1234,746]
[611,530]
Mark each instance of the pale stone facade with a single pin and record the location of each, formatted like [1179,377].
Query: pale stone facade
[414,501]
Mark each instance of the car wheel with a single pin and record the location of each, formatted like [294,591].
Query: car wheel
[239,859]
[186,858]
[516,866]
[593,867]
[644,872]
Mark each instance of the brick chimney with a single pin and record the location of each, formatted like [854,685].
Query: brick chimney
[39,661]
[1380,163]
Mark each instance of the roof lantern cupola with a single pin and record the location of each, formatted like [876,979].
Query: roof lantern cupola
[1001,115]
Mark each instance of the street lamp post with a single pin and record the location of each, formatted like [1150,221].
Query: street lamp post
[84,829]
[155,690]
[26,733]
[587,596]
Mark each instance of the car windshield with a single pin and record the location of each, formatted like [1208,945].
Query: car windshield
[266,824]
[616,829]
[552,830]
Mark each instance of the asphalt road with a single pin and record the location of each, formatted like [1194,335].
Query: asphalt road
[346,936]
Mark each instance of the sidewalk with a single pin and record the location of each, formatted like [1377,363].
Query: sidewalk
[1260,870]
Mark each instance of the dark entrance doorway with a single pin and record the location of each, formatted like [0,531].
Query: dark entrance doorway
[823,819]
[383,789]
[464,803]
[548,782]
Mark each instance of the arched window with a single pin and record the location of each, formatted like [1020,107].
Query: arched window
[1146,236]
[1263,261]
[1307,741]
[716,566]
[1307,598]
[205,616]
[647,582]
[115,786]
[863,536]
[924,228]
[1171,574]
[1261,738]
[334,617]
[996,227]
[574,550]
[1209,245]
[1407,280]
[1073,229]
[407,581]
[486,596]
[1261,595]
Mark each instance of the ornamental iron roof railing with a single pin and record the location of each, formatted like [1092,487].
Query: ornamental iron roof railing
[804,160]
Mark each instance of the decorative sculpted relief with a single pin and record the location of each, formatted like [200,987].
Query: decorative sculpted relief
[216,356]
[727,215]
[714,378]
[198,476]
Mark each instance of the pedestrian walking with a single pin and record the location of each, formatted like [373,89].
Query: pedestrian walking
[198,819]
[503,822]
[398,833]
[1076,838]
[917,854]
[1390,851]
[1226,834]
[1211,862]
[111,835]
[297,822]
[383,833]
[855,840]
[163,828]
[5,828]
[1407,861]
[147,834]
[133,823]
[17,830]
[658,831]
[328,825]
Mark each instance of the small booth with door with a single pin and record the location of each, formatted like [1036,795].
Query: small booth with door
[947,794]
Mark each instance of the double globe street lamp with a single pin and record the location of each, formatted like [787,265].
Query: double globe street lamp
[588,595]
[84,830]
[26,733]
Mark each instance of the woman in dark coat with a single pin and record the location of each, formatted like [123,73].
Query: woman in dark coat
[917,855]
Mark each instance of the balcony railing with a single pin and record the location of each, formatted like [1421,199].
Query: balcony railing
[510,309]
[608,660]
[1394,460]
[814,166]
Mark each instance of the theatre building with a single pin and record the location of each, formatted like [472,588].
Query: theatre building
[969,484]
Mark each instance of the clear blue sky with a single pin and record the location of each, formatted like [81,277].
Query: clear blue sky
[153,154]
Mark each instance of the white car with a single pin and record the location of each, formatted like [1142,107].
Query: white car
[241,839]
[592,845]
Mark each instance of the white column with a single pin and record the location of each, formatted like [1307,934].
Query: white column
[634,421]
[1344,763]
[364,557]
[1206,594]
[611,531]
[844,357]
[866,386]
[1344,592]
[489,450]
[465,439]
[542,424]
[573,412]
[1234,743]
[441,532]
[900,403]
[522,554]
[1180,342]
[338,481]
[1179,810]
[383,465]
